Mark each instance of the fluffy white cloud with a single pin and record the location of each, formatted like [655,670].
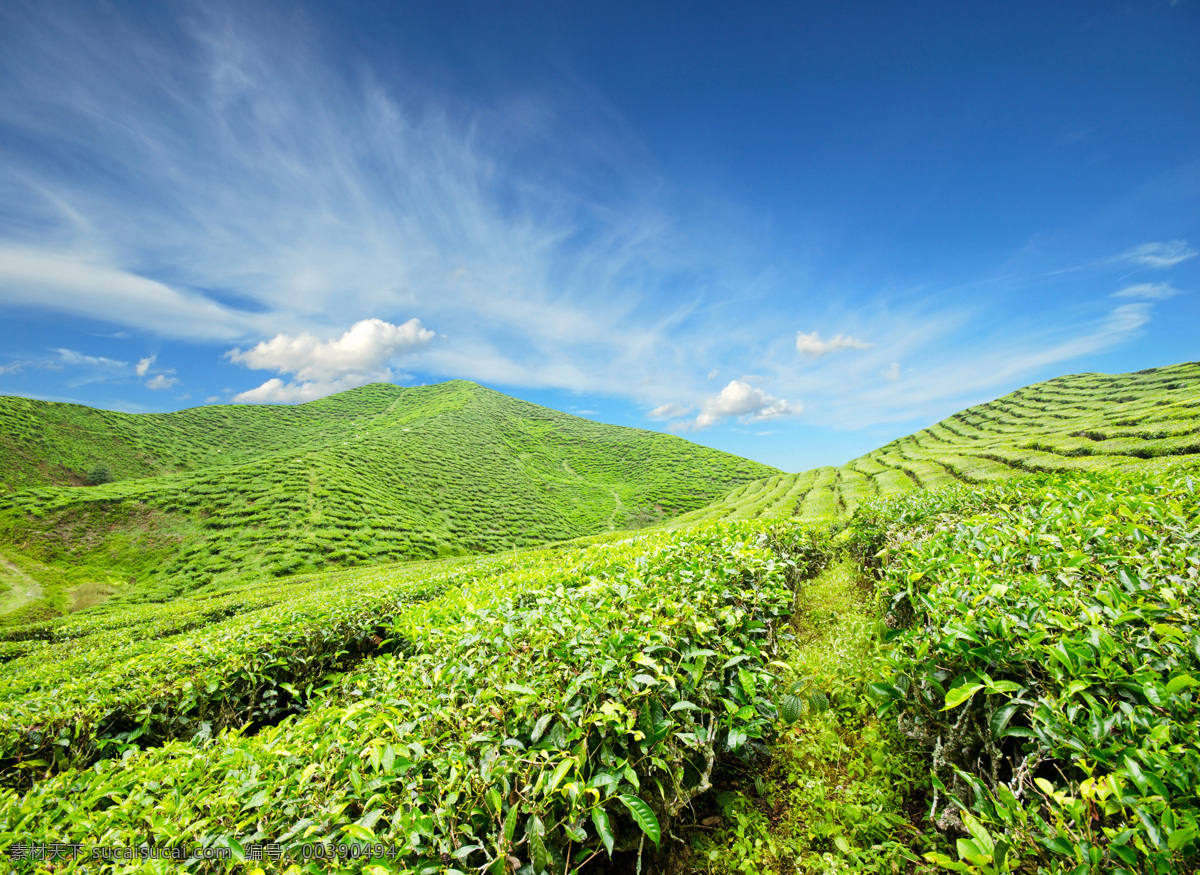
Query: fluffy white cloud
[668,411]
[1148,292]
[1160,254]
[813,347]
[320,368]
[276,391]
[143,365]
[892,372]
[161,381]
[748,403]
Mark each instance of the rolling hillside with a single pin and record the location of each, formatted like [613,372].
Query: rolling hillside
[1085,422]
[378,473]
[767,695]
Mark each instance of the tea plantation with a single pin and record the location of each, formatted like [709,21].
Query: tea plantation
[996,674]
[1146,421]
[206,497]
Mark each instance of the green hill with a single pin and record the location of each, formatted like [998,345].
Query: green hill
[378,473]
[1087,422]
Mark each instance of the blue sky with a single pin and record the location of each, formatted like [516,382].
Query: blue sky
[789,231]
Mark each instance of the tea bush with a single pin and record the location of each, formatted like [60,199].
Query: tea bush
[559,706]
[1046,647]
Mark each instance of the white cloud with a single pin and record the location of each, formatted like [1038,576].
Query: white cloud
[143,365]
[320,368]
[297,187]
[1148,292]
[1160,254]
[892,372]
[87,368]
[276,391]
[532,230]
[161,381]
[744,401]
[958,381]
[813,347]
[668,411]
[73,358]
[13,367]
[69,282]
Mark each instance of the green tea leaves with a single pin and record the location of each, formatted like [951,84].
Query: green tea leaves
[643,816]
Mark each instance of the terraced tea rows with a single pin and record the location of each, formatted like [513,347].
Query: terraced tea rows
[1146,421]
[546,706]
[589,704]
[408,474]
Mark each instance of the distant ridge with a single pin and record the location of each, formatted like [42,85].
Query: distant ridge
[1148,420]
[379,473]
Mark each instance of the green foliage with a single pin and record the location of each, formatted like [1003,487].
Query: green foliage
[832,795]
[76,690]
[1088,422]
[1045,646]
[97,476]
[378,474]
[548,707]
[1026,650]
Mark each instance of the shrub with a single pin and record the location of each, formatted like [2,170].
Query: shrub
[98,475]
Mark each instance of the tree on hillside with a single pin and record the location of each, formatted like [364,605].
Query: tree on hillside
[99,474]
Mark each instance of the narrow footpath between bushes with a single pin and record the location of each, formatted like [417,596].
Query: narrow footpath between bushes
[838,788]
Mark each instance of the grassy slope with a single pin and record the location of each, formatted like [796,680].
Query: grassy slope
[378,473]
[1086,422]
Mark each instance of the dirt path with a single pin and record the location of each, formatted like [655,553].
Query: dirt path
[22,589]
[618,507]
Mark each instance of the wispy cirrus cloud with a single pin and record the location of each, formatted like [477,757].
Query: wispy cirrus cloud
[1167,254]
[253,193]
[964,380]
[68,281]
[251,187]
[668,411]
[74,358]
[1148,292]
[83,369]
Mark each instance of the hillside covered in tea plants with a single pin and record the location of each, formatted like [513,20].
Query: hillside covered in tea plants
[1147,421]
[993,680]
[381,473]
[986,676]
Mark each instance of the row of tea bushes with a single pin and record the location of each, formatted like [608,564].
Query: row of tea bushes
[96,688]
[564,708]
[1046,646]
